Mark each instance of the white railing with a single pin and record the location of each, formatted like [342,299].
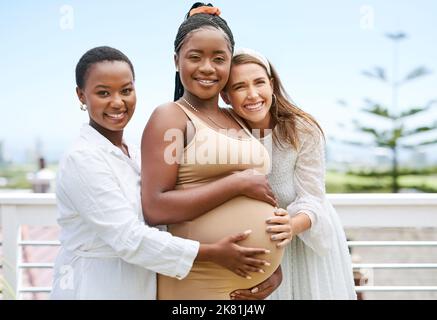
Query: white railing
[17,210]
[394,211]
[355,210]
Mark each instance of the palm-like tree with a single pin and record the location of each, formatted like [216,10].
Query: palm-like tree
[394,135]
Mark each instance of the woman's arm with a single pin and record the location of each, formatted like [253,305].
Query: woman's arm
[87,183]
[164,205]
[309,180]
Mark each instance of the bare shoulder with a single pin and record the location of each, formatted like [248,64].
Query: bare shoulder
[168,115]
[166,119]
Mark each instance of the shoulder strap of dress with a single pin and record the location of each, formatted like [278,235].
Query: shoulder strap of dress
[237,118]
[194,119]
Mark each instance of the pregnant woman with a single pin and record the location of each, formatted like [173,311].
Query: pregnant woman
[107,252]
[204,175]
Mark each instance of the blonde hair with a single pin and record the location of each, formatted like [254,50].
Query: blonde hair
[288,117]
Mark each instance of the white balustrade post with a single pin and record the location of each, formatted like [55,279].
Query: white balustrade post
[11,252]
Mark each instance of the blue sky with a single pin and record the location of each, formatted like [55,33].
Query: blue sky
[318,47]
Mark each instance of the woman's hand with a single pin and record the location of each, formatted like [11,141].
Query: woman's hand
[260,291]
[281,227]
[255,185]
[238,259]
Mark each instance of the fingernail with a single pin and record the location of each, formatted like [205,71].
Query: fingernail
[236,293]
[268,220]
[248,277]
[273,237]
[247,231]
[232,295]
[261,271]
[269,229]
[267,251]
[267,263]
[254,290]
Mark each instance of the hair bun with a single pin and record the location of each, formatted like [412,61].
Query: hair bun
[200,7]
[208,10]
[200,4]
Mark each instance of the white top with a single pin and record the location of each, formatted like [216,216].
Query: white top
[107,251]
[317,263]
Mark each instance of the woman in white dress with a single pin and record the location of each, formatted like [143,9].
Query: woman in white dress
[107,251]
[317,263]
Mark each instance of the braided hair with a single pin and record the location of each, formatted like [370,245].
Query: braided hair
[195,22]
[96,55]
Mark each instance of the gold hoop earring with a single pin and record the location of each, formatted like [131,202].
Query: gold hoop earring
[83,107]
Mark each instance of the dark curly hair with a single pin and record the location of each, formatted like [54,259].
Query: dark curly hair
[96,55]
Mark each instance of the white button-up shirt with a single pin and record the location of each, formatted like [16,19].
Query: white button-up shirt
[107,251]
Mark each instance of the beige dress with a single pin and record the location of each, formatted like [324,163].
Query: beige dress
[209,156]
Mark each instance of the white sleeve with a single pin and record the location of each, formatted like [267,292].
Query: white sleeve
[87,180]
[309,179]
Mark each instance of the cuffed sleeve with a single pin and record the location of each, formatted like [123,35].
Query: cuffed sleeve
[90,185]
[309,179]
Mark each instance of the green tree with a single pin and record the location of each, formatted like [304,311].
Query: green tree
[394,136]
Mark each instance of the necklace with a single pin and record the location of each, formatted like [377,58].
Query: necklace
[210,119]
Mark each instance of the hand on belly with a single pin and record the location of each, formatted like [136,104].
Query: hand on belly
[234,216]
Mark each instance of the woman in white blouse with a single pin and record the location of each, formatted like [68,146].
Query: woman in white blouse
[107,251]
[316,264]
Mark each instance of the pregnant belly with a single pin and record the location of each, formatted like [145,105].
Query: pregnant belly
[236,215]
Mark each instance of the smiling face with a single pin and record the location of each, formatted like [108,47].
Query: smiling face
[109,94]
[249,91]
[204,62]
